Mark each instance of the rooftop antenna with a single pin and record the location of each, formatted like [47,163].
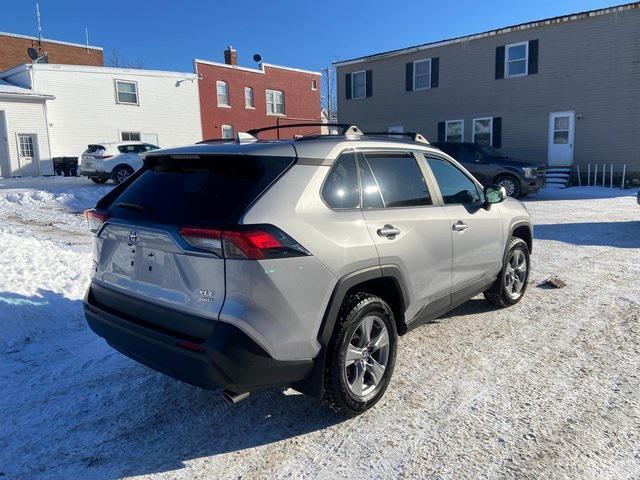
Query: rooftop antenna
[39,24]
[38,55]
[86,38]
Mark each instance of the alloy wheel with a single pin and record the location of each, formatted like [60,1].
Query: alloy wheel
[366,357]
[122,175]
[508,185]
[515,274]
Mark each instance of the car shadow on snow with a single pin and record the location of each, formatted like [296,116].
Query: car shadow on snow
[609,234]
[103,416]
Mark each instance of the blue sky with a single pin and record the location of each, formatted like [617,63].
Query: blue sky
[168,34]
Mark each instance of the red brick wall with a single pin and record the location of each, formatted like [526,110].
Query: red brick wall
[300,100]
[13,51]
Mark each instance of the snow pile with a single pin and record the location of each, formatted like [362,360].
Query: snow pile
[548,388]
[46,252]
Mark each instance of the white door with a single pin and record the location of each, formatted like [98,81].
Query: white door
[561,133]
[27,155]
[5,164]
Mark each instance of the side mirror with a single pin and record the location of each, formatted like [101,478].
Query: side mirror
[494,194]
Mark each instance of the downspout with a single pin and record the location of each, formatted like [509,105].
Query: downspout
[46,119]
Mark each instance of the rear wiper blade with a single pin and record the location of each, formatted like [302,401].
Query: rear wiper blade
[136,207]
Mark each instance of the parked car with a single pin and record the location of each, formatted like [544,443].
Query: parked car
[113,160]
[490,166]
[251,264]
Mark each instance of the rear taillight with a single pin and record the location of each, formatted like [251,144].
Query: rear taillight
[95,219]
[252,242]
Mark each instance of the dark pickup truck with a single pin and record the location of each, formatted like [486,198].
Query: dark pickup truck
[490,166]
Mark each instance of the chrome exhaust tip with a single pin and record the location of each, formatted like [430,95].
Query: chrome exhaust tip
[232,398]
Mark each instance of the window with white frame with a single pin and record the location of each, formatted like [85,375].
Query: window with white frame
[227,131]
[130,136]
[275,102]
[222,90]
[314,84]
[454,131]
[422,74]
[26,145]
[126,92]
[515,61]
[359,84]
[483,131]
[248,97]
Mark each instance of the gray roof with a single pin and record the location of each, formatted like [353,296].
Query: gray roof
[489,33]
[10,90]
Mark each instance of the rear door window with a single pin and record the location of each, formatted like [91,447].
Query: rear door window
[455,186]
[206,190]
[398,179]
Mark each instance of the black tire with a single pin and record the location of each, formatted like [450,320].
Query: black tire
[511,184]
[99,181]
[337,393]
[498,294]
[121,173]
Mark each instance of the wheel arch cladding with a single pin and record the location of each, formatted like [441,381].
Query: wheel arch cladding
[523,231]
[386,282]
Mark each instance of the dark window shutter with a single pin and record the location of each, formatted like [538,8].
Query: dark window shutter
[435,71]
[497,132]
[441,132]
[347,86]
[409,76]
[499,62]
[533,57]
[369,83]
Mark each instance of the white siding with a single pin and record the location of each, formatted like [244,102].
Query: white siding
[85,110]
[24,117]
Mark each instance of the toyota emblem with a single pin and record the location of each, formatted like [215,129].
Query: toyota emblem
[134,237]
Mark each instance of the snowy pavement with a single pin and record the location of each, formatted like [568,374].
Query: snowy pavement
[547,389]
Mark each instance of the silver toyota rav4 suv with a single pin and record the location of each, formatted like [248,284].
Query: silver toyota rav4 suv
[247,264]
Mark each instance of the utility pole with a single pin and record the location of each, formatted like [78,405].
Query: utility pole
[331,114]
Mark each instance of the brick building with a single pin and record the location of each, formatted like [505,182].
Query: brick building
[13,51]
[234,98]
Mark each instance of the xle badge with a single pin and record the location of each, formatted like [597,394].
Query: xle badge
[207,295]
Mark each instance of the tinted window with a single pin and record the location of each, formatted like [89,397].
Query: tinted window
[455,186]
[209,190]
[370,190]
[138,148]
[451,150]
[340,189]
[399,179]
[468,155]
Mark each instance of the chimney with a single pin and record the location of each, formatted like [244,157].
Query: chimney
[231,56]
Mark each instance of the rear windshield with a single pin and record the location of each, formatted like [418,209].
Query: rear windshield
[197,191]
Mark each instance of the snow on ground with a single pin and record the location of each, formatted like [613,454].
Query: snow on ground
[547,389]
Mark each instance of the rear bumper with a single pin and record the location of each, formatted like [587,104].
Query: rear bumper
[228,359]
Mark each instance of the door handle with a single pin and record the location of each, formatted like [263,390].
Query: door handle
[460,226]
[388,231]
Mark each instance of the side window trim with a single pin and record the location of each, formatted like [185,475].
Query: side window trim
[427,155]
[384,204]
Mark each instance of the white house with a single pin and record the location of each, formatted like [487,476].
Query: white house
[79,105]
[23,131]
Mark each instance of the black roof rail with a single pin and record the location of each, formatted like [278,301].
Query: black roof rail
[346,128]
[216,140]
[414,136]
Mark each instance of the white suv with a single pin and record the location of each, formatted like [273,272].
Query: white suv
[116,160]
